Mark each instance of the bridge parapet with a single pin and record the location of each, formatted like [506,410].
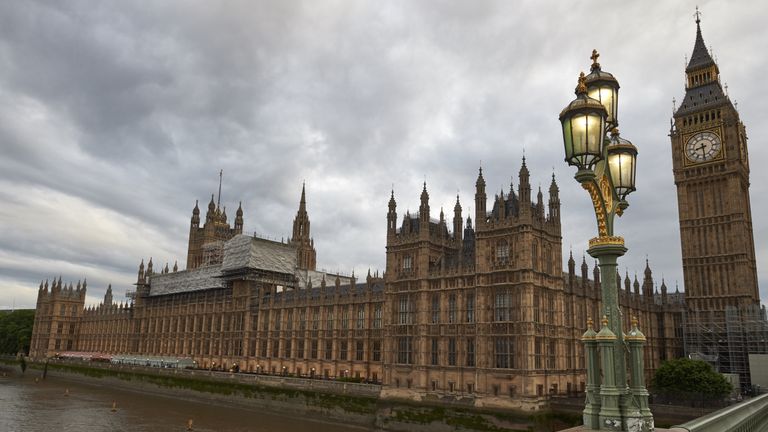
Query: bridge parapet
[748,416]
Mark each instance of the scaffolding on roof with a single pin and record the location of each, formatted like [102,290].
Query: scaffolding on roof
[725,339]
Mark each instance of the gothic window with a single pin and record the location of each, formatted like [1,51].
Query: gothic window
[502,251]
[405,350]
[435,308]
[537,353]
[264,322]
[313,349]
[377,316]
[434,353]
[502,305]
[536,308]
[407,263]
[503,352]
[377,351]
[345,317]
[302,319]
[404,310]
[315,318]
[329,318]
[277,319]
[359,350]
[452,308]
[286,348]
[551,354]
[343,350]
[470,352]
[300,348]
[329,349]
[289,319]
[535,255]
[451,351]
[360,317]
[470,307]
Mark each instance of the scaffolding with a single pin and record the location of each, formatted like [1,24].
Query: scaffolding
[726,338]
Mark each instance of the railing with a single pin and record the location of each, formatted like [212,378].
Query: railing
[748,416]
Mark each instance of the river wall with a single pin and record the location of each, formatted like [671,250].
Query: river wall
[324,400]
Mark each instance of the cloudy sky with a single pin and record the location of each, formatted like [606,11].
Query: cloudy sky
[116,116]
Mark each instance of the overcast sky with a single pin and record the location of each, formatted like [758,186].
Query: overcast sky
[115,117]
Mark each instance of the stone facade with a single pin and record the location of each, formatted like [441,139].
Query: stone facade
[482,312]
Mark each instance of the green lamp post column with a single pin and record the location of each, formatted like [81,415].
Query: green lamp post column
[606,165]
[610,390]
[591,414]
[642,420]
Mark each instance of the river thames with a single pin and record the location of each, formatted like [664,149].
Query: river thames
[26,406]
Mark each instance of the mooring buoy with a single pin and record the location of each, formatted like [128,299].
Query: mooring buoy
[114,406]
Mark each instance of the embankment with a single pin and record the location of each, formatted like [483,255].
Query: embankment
[330,401]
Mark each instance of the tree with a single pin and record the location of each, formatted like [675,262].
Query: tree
[16,331]
[689,379]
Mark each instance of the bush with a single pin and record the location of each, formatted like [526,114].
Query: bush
[686,379]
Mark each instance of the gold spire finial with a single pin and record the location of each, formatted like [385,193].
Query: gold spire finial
[581,88]
[590,323]
[634,321]
[605,320]
[593,57]
[697,14]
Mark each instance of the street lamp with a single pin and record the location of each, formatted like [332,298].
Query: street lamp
[606,165]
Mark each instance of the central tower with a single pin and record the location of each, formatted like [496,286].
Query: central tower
[711,171]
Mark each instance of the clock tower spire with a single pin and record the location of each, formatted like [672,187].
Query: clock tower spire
[711,171]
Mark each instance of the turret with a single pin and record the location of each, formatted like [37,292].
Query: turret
[141,277]
[636,286]
[424,210]
[108,296]
[524,189]
[195,216]
[554,202]
[540,204]
[238,219]
[648,282]
[457,220]
[392,216]
[210,215]
[663,291]
[480,200]
[305,251]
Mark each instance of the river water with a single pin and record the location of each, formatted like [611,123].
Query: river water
[27,406]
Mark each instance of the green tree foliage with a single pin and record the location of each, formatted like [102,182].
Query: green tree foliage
[687,378]
[16,331]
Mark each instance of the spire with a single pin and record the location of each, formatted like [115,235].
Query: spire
[239,218]
[457,220]
[524,188]
[108,296]
[424,209]
[175,266]
[218,200]
[392,215]
[571,264]
[480,200]
[303,200]
[700,56]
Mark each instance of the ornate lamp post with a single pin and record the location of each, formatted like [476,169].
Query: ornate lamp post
[606,169]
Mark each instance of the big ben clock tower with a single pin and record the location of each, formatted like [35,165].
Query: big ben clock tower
[711,171]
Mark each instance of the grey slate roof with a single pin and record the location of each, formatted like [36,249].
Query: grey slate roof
[699,98]
[246,252]
[700,56]
[184,281]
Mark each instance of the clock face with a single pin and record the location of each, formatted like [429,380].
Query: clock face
[702,147]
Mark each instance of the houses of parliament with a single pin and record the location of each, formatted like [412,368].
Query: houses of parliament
[469,306]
